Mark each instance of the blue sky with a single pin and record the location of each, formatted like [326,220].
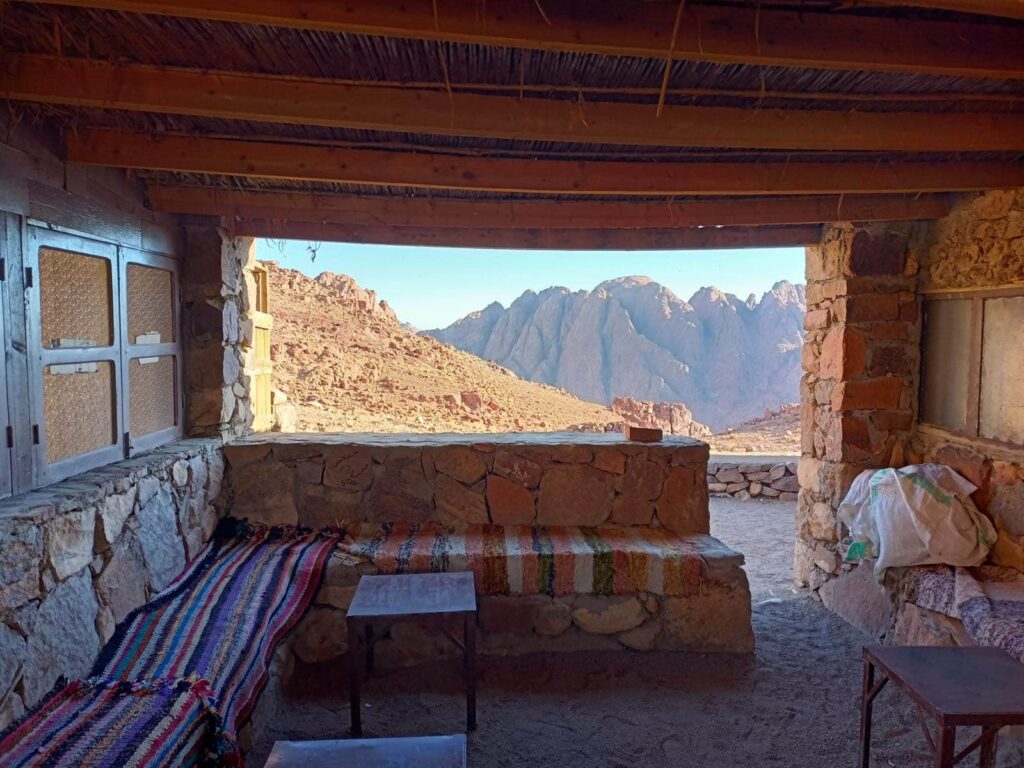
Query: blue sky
[433,287]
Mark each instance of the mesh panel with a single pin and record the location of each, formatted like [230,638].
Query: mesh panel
[946,363]
[75,300]
[79,410]
[1002,371]
[152,395]
[150,303]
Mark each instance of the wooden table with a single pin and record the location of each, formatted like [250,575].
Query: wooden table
[434,599]
[953,687]
[420,752]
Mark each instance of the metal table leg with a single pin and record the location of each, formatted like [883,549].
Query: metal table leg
[469,657]
[355,657]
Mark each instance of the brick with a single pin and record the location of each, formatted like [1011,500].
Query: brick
[874,306]
[892,421]
[643,434]
[883,253]
[849,438]
[842,354]
[892,360]
[867,394]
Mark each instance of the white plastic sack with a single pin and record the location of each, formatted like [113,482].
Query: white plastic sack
[916,515]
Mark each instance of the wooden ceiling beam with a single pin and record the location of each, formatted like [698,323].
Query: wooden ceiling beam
[717,34]
[533,239]
[278,160]
[79,82]
[362,211]
[1009,9]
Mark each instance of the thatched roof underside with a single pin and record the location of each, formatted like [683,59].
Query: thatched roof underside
[579,82]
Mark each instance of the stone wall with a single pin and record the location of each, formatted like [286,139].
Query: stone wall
[754,480]
[76,557]
[859,390]
[218,293]
[980,245]
[516,479]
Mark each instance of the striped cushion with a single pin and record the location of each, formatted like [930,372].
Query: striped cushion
[102,724]
[222,620]
[527,560]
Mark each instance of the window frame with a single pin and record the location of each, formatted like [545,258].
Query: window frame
[131,350]
[43,357]
[977,297]
[119,354]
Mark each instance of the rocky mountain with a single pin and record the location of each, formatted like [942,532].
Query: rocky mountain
[727,359]
[346,362]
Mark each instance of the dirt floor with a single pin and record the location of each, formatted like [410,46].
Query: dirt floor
[795,703]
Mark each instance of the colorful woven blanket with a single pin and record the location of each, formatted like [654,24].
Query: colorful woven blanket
[103,724]
[222,621]
[989,600]
[214,630]
[526,561]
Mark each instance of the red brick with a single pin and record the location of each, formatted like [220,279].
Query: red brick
[872,306]
[848,438]
[883,253]
[643,434]
[891,360]
[867,394]
[908,311]
[892,421]
[842,354]
[890,331]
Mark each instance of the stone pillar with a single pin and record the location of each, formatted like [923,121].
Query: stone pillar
[859,390]
[218,292]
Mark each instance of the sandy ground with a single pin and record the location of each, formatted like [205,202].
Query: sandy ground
[795,703]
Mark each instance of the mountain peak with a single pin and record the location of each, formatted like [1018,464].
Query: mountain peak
[630,336]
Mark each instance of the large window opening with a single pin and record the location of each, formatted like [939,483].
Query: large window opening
[403,339]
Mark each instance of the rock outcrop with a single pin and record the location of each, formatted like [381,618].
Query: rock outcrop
[670,418]
[726,358]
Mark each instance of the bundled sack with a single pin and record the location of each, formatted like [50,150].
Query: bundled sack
[916,515]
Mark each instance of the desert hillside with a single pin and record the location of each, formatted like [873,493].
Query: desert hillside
[726,358]
[348,364]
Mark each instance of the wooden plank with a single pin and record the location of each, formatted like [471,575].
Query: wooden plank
[1010,9]
[529,239]
[721,35]
[357,210]
[279,160]
[263,98]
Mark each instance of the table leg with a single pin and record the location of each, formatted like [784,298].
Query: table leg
[866,703]
[945,752]
[369,650]
[469,639]
[354,679]
[987,753]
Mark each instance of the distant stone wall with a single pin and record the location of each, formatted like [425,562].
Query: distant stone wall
[518,479]
[748,480]
[76,557]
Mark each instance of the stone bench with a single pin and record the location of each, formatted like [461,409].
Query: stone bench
[569,498]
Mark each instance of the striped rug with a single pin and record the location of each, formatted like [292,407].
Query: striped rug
[222,619]
[527,561]
[103,724]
